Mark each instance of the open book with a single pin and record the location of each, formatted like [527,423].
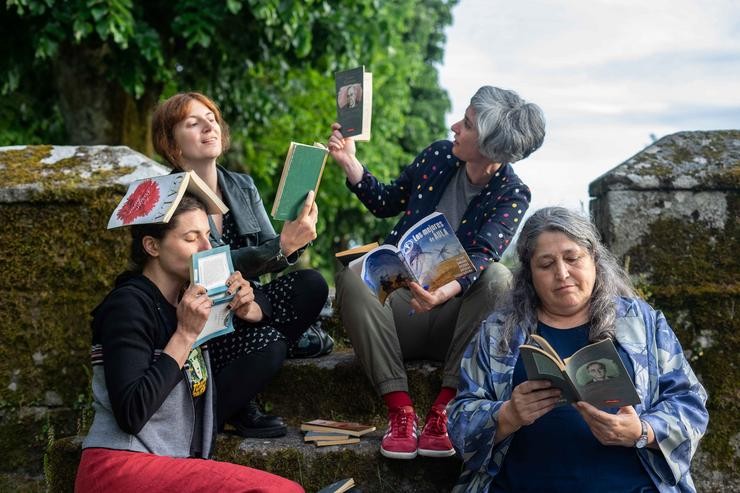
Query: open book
[354,102]
[339,487]
[429,253]
[210,269]
[302,172]
[154,200]
[594,373]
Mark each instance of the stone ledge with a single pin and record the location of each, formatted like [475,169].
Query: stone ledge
[289,456]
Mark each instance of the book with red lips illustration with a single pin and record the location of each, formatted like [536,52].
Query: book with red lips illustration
[153,200]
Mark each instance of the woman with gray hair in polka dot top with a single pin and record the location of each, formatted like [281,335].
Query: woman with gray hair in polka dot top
[471,181]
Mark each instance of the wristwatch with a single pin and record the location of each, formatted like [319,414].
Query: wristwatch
[642,441]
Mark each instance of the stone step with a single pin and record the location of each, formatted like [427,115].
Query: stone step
[335,387]
[311,466]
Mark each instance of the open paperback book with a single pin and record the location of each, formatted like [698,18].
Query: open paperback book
[154,200]
[594,374]
[429,254]
[210,269]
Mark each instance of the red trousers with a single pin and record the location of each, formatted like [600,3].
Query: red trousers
[113,471]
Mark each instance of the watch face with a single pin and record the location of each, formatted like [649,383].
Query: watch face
[642,441]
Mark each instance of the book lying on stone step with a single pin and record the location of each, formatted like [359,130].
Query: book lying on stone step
[343,427]
[339,487]
[342,441]
[318,436]
[594,374]
[154,200]
[429,254]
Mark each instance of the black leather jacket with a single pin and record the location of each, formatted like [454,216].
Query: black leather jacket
[262,254]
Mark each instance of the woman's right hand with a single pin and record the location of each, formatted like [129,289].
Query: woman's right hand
[343,151]
[529,401]
[299,232]
[192,311]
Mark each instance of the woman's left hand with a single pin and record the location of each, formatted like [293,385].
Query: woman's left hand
[424,300]
[243,304]
[622,429]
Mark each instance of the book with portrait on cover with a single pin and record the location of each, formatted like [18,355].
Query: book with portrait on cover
[304,165]
[154,200]
[594,374]
[210,269]
[354,95]
[429,253]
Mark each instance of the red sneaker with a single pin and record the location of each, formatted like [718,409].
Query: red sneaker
[434,441]
[399,441]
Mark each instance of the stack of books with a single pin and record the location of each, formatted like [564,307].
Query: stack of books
[323,432]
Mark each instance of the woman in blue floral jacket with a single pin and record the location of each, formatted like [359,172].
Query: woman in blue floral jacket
[511,433]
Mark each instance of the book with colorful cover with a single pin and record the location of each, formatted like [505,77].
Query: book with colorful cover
[154,200]
[429,253]
[210,269]
[304,165]
[354,95]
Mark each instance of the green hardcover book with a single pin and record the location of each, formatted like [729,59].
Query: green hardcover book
[302,171]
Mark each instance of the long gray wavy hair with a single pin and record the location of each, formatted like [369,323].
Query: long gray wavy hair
[611,280]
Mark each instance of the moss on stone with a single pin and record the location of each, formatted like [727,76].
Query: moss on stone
[692,271]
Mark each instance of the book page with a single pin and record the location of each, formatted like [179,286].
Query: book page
[213,270]
[219,323]
[432,252]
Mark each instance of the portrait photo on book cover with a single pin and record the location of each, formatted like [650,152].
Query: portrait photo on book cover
[349,96]
[596,371]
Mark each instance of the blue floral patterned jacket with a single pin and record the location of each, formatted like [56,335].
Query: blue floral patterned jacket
[489,222]
[673,400]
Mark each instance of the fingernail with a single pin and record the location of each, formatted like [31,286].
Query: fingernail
[228,307]
[411,313]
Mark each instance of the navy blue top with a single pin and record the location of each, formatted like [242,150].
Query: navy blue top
[558,452]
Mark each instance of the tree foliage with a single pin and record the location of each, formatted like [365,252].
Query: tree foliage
[100,66]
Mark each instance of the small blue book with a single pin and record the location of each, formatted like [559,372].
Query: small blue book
[210,269]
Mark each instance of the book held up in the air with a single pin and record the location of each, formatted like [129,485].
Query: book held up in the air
[304,165]
[154,200]
[594,374]
[429,253]
[340,427]
[354,94]
[210,269]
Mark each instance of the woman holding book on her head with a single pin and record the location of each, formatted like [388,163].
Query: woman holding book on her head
[154,396]
[511,431]
[190,133]
[471,181]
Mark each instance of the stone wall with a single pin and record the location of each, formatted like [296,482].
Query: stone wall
[58,261]
[670,213]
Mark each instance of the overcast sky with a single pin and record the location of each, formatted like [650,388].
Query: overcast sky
[607,73]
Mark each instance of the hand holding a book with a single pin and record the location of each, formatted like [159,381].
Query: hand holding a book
[529,401]
[343,151]
[424,300]
[296,234]
[623,428]
[242,304]
[192,314]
